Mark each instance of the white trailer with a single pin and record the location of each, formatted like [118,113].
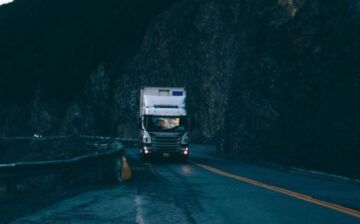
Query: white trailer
[163,122]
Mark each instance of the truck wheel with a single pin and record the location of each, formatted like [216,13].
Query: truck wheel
[144,157]
[183,159]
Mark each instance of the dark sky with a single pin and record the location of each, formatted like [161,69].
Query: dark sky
[55,45]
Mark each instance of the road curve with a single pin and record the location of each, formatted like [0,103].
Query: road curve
[170,192]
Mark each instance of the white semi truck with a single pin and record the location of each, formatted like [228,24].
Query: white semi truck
[163,123]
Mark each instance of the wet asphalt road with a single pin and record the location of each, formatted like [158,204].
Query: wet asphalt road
[170,192]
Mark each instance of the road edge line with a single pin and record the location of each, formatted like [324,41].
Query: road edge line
[303,197]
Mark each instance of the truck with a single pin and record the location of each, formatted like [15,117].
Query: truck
[163,123]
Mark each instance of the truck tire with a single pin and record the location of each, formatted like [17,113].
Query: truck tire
[184,159]
[143,157]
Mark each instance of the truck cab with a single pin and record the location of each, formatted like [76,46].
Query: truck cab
[163,123]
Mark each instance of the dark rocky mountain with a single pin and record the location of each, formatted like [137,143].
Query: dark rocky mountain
[267,80]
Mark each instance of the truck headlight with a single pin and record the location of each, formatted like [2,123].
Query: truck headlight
[185,139]
[146,150]
[185,150]
[146,138]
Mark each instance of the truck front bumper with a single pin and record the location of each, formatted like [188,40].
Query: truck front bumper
[147,151]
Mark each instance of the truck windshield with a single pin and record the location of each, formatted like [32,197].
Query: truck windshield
[162,123]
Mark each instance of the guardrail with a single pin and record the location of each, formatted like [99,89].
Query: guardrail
[109,162]
[126,140]
[68,136]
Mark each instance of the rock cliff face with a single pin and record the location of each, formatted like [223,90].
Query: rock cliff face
[267,80]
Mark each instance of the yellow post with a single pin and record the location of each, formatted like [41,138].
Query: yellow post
[126,172]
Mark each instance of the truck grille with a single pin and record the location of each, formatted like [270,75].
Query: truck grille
[166,143]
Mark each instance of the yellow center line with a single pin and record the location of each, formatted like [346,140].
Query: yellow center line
[336,207]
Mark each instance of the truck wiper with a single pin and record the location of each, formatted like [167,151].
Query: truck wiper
[166,106]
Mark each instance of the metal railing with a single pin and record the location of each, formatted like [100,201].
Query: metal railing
[126,140]
[106,156]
